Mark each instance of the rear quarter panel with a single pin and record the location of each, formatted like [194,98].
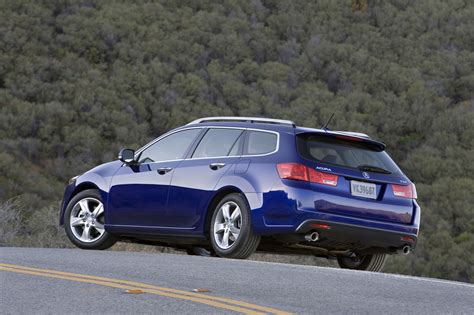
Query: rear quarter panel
[259,179]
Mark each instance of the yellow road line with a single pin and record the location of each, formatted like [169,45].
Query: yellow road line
[237,306]
[143,285]
[125,287]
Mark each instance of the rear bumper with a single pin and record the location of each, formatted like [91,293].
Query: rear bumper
[292,212]
[356,236]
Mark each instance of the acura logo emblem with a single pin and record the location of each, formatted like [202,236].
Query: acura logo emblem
[366,175]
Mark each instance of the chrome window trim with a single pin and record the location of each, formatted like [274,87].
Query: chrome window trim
[214,157]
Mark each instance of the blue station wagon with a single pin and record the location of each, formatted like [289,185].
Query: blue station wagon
[228,186]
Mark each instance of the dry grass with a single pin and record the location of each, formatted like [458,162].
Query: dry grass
[41,229]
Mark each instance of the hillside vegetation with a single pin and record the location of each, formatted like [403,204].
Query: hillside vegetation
[81,79]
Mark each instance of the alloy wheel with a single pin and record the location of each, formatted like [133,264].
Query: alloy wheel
[227,225]
[87,220]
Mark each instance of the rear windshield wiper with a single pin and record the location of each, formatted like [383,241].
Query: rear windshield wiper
[375,169]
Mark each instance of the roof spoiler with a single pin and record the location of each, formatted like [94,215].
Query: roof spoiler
[348,135]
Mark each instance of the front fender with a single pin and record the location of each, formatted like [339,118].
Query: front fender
[97,178]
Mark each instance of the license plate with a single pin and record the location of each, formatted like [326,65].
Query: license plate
[361,189]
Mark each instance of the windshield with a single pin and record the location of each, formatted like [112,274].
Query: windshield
[347,153]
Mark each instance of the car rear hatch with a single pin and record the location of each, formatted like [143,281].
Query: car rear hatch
[354,176]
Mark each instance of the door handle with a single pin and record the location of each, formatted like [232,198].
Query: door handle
[216,166]
[164,170]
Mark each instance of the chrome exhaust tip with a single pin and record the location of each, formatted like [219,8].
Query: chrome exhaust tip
[312,237]
[405,250]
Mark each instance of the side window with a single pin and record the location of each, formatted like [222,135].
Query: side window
[235,151]
[217,142]
[259,142]
[172,147]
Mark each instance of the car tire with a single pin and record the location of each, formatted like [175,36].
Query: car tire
[231,230]
[374,262]
[85,212]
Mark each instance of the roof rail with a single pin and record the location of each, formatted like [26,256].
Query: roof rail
[244,119]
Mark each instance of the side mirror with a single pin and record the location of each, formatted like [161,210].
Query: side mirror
[127,156]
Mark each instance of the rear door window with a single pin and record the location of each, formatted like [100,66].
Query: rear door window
[346,153]
[260,142]
[218,142]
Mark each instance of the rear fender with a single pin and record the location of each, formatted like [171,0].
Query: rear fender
[245,187]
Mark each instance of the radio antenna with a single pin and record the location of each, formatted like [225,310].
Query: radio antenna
[325,126]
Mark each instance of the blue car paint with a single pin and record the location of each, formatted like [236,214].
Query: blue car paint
[188,181]
[99,178]
[140,201]
[138,195]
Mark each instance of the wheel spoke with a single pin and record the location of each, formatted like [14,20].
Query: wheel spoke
[225,211]
[99,227]
[225,239]
[84,206]
[235,215]
[75,221]
[235,232]
[86,233]
[98,210]
[219,227]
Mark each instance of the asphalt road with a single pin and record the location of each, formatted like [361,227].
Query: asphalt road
[74,283]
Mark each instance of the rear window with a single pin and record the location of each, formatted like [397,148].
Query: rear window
[347,153]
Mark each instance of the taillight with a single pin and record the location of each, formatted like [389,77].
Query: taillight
[408,191]
[321,226]
[292,171]
[407,239]
[349,138]
[301,172]
[322,178]
[415,194]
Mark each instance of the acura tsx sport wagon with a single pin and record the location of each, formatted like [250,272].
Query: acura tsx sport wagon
[228,186]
